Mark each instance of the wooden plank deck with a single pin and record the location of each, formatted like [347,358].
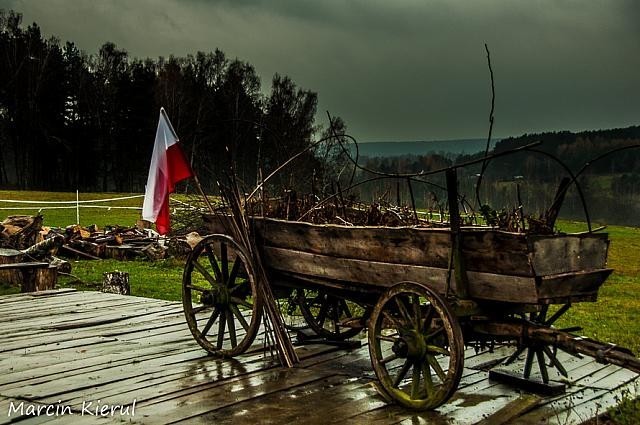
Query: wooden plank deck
[65,348]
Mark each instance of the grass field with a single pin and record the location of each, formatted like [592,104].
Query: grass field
[55,216]
[613,318]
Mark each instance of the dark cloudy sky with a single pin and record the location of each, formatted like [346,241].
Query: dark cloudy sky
[397,70]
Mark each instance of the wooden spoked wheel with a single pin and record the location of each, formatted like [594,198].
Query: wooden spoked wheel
[293,318]
[539,352]
[416,346]
[325,313]
[220,296]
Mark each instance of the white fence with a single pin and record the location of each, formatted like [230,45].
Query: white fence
[77,204]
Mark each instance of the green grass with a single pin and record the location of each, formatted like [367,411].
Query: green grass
[627,412]
[54,216]
[158,279]
[58,217]
[614,317]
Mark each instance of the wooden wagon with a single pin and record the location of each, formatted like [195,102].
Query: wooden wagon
[421,293]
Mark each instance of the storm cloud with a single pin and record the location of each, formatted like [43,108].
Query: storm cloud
[397,70]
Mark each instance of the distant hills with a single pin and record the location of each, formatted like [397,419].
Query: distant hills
[610,185]
[387,149]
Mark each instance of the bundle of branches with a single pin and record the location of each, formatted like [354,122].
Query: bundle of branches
[349,211]
[239,229]
[187,216]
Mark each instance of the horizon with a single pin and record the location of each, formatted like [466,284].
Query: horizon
[497,139]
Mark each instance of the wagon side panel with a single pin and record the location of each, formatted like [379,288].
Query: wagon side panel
[485,251]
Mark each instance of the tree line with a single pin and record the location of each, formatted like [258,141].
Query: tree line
[71,120]
[611,184]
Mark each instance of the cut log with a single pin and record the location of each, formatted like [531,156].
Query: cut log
[88,247]
[143,224]
[79,253]
[178,248]
[45,248]
[20,231]
[29,276]
[116,282]
[63,266]
[40,279]
[193,239]
[11,256]
[121,252]
[154,251]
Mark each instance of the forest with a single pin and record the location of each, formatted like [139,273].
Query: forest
[72,120]
[611,183]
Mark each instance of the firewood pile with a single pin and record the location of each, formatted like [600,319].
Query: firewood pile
[120,243]
[42,243]
[20,231]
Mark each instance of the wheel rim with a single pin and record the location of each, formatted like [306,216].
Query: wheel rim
[220,297]
[416,346]
[324,313]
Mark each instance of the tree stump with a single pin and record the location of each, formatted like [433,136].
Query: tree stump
[40,279]
[11,256]
[28,275]
[116,282]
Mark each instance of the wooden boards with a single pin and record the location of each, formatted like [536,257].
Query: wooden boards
[501,266]
[558,254]
[485,250]
[144,352]
[380,275]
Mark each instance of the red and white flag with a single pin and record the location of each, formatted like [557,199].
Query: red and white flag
[168,167]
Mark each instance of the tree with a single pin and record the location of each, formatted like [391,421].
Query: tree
[289,117]
[69,120]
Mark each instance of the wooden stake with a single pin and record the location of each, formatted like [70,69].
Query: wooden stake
[204,195]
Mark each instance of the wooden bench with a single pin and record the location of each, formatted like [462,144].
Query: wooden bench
[31,276]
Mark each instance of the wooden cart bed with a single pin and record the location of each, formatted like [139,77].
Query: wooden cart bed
[501,266]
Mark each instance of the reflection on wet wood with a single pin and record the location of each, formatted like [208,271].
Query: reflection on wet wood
[74,347]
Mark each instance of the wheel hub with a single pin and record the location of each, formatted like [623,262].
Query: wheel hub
[218,296]
[411,344]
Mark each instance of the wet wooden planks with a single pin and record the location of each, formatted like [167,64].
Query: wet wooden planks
[66,348]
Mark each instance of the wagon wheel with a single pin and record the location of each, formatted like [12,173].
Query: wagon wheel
[412,329]
[294,319]
[540,352]
[325,313]
[220,296]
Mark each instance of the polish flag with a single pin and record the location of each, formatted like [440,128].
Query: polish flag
[168,167]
